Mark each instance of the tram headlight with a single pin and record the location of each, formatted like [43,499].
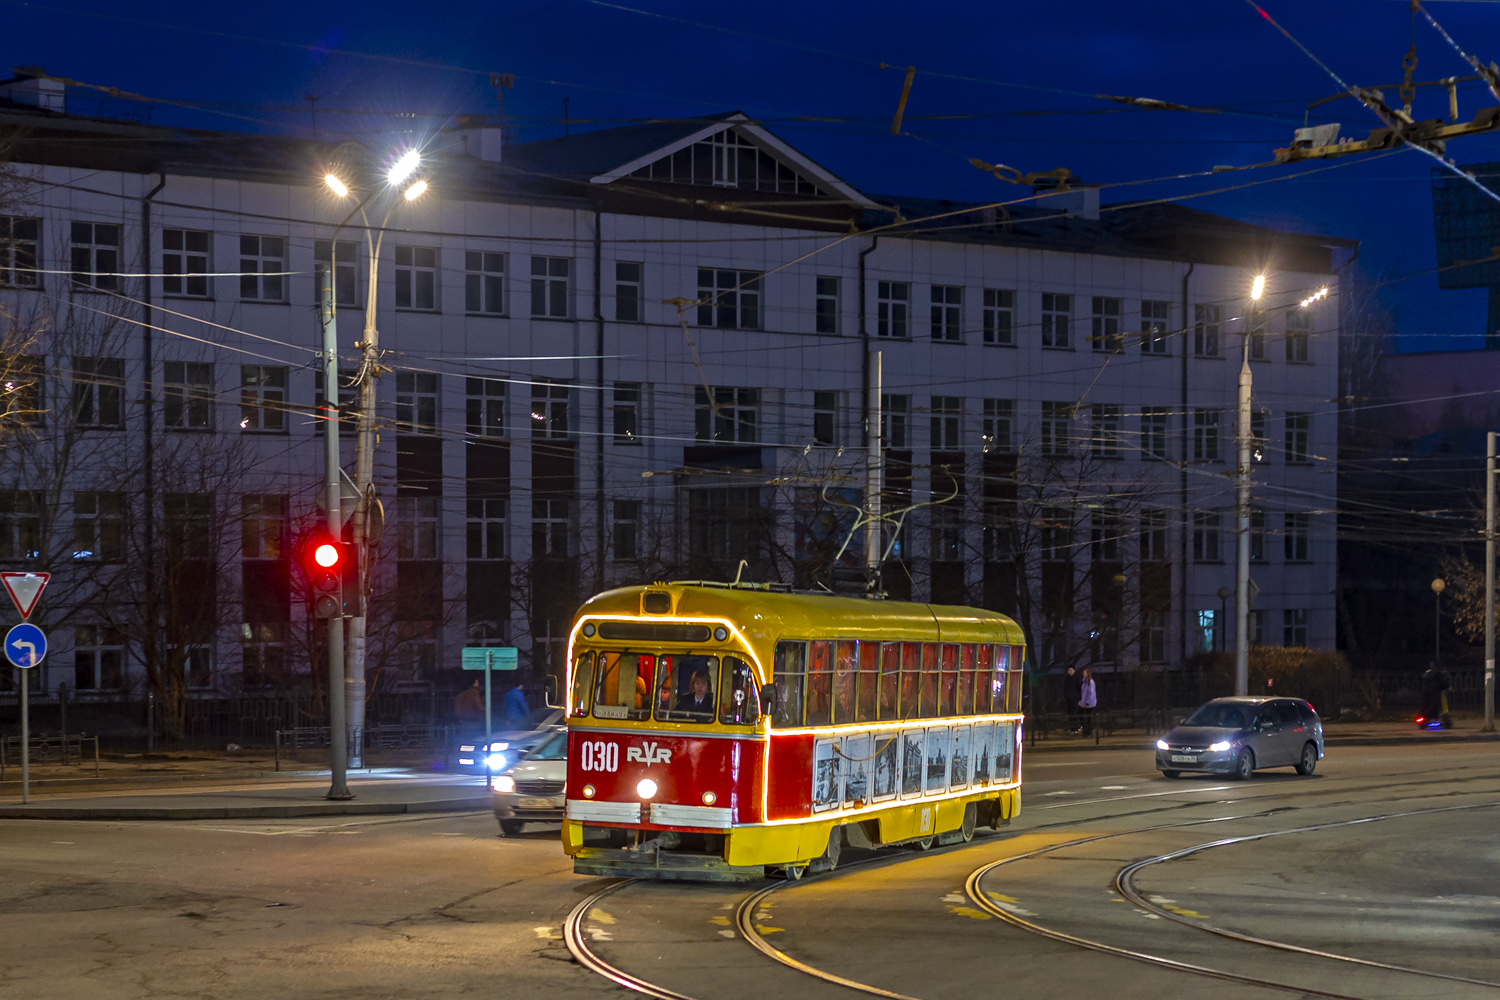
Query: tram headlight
[505,784]
[721,633]
[1219,747]
[646,788]
[709,798]
[1161,744]
[588,630]
[588,791]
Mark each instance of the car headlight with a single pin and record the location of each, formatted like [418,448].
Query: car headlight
[505,784]
[1161,744]
[495,762]
[499,746]
[1220,746]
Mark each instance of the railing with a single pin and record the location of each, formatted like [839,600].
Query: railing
[63,749]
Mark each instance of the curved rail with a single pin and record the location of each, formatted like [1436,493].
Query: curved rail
[573,936]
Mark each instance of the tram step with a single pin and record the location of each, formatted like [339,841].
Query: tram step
[662,865]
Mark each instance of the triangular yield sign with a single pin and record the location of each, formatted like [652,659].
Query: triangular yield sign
[25,589]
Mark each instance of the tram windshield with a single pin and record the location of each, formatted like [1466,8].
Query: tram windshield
[1219,716]
[671,687]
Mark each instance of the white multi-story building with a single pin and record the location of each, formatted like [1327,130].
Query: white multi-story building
[624,355]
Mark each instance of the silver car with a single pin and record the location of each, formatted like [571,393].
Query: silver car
[533,789]
[1235,736]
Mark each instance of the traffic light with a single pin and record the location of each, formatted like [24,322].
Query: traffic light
[330,565]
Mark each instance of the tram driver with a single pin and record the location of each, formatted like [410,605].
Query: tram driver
[698,699]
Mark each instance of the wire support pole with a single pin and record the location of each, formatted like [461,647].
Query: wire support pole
[873,476]
[1242,527]
[338,740]
[1489,582]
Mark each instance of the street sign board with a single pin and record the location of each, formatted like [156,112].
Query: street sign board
[490,657]
[25,589]
[25,645]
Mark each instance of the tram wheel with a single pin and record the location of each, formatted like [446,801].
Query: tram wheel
[971,820]
[924,843]
[793,873]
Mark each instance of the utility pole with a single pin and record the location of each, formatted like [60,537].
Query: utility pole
[1242,506]
[872,479]
[364,474]
[338,729]
[1489,582]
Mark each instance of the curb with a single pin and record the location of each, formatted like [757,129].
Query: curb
[1333,741]
[473,804]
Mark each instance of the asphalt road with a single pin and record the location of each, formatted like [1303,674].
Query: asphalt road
[439,906]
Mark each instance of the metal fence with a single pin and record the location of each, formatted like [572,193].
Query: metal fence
[72,748]
[376,739]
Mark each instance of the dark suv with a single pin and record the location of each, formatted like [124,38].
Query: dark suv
[1235,736]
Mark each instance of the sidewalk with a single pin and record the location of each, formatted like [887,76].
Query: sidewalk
[1334,734]
[381,792]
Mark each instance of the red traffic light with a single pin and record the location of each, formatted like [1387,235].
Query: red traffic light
[326,555]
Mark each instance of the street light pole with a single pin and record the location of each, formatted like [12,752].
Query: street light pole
[1438,586]
[1242,507]
[1489,583]
[338,738]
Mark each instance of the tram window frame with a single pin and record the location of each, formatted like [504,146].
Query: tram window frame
[857,751]
[1005,753]
[984,679]
[1013,683]
[965,703]
[930,658]
[638,714]
[1000,685]
[828,777]
[886,765]
[845,676]
[750,711]
[948,681]
[789,680]
[983,740]
[819,710]
[911,679]
[890,681]
[939,751]
[913,762]
[674,680]
[867,691]
[583,683]
[962,736]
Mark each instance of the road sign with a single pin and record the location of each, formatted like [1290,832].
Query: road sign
[25,645]
[25,589]
[490,657]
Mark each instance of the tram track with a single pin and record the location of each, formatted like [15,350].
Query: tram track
[578,943]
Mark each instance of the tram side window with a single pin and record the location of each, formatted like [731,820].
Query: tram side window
[624,689]
[965,679]
[929,680]
[1013,683]
[583,683]
[996,676]
[739,702]
[948,681]
[845,673]
[790,677]
[984,737]
[911,679]
[890,680]
[685,691]
[819,683]
[868,692]
[912,751]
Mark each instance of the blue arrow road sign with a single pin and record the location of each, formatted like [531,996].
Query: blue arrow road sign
[25,645]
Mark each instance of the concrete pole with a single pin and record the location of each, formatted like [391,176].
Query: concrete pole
[1489,583]
[338,730]
[873,477]
[1242,529]
[364,475]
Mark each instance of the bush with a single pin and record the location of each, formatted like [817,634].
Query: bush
[1320,676]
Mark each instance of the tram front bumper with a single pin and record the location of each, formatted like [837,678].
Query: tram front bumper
[667,865]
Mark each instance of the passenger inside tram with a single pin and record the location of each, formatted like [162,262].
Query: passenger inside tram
[698,700]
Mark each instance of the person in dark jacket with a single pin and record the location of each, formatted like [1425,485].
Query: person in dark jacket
[698,700]
[1072,692]
[1431,687]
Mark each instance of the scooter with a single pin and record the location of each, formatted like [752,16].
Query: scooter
[1441,720]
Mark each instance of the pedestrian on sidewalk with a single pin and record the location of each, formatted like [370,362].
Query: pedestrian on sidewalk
[517,711]
[469,705]
[1072,692]
[1088,700]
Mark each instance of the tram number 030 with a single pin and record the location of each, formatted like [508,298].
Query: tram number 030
[596,755]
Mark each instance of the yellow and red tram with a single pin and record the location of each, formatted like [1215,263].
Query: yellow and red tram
[721,732]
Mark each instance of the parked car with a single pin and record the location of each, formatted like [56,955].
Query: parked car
[1237,736]
[506,746]
[534,789]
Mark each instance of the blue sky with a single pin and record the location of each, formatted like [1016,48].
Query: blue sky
[1019,81]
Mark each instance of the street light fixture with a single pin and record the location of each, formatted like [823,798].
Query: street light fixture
[1258,287]
[415,191]
[404,167]
[335,185]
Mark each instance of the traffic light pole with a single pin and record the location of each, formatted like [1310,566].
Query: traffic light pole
[338,730]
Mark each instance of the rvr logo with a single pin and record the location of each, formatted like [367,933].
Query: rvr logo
[648,754]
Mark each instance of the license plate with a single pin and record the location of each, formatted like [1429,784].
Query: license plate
[537,804]
[1185,758]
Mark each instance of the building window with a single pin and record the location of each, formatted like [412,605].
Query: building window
[549,409]
[1106,431]
[733,415]
[1057,317]
[98,658]
[999,316]
[730,300]
[1257,436]
[262,398]
[1206,536]
[1298,335]
[826,305]
[1153,538]
[1257,535]
[348,403]
[1154,432]
[416,278]
[184,262]
[99,526]
[188,392]
[96,255]
[1106,325]
[627,412]
[1257,627]
[18,251]
[1257,335]
[484,282]
[948,529]
[189,522]
[724,525]
[1106,530]
[825,418]
[1294,628]
[894,411]
[549,528]
[1208,631]
[1298,429]
[262,654]
[263,524]
[1206,320]
[346,271]
[627,530]
[1153,636]
[23,394]
[486,527]
[1056,427]
[549,287]
[262,263]
[891,301]
[1294,540]
[417,527]
[998,433]
[629,294]
[484,407]
[98,392]
[729,159]
[947,417]
[947,312]
[1205,435]
[1155,316]
[417,402]
[20,525]
[1056,536]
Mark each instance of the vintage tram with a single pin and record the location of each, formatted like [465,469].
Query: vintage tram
[722,732]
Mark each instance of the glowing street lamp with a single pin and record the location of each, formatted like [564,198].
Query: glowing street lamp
[335,185]
[415,191]
[404,167]
[1258,287]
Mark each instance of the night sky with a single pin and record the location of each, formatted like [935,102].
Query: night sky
[1019,79]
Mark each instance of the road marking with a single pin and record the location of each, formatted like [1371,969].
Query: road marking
[547,933]
[600,916]
[719,921]
[1060,793]
[1113,788]
[727,934]
[1139,795]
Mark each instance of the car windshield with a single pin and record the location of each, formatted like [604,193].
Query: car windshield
[554,747]
[1219,715]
